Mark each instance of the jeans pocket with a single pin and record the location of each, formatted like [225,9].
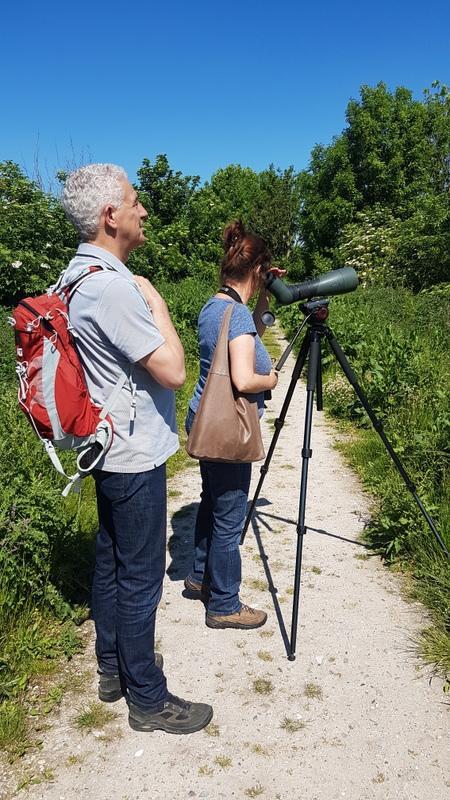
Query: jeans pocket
[111,484]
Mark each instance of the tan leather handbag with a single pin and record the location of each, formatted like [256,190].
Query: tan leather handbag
[226,425]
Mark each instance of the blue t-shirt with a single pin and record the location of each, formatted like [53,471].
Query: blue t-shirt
[209,324]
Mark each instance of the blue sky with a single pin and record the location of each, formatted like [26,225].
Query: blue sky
[208,83]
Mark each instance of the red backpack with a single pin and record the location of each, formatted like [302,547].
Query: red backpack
[52,387]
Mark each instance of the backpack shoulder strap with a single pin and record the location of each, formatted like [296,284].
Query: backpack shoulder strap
[71,288]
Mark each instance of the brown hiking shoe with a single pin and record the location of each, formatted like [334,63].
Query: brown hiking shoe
[245,618]
[195,591]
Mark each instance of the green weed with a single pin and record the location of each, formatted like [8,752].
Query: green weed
[292,725]
[260,750]
[223,761]
[206,770]
[14,730]
[93,717]
[264,655]
[313,691]
[262,686]
[254,791]
[212,729]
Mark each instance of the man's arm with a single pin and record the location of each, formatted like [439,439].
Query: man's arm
[166,363]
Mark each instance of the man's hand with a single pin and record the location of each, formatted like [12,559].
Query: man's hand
[151,295]
[166,363]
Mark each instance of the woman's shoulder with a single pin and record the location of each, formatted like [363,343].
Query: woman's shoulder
[212,308]
[241,321]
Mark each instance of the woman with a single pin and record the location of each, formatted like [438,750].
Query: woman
[215,576]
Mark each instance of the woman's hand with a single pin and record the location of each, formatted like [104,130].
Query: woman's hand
[273,377]
[263,300]
[279,273]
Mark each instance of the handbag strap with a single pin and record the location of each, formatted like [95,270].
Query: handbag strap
[220,362]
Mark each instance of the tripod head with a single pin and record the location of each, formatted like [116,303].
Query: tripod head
[315,311]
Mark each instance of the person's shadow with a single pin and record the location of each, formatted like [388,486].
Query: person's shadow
[181,542]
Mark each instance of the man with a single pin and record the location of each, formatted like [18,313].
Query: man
[122,326]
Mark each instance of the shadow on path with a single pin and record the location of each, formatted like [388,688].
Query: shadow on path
[262,519]
[181,542]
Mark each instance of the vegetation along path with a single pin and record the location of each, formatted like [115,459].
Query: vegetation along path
[354,717]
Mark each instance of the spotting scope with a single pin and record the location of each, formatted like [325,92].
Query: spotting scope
[338,281]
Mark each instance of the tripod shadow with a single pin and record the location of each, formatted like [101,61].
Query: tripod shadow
[181,542]
[262,519]
[258,519]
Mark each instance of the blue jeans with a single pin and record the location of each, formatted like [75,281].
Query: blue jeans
[127,586]
[218,528]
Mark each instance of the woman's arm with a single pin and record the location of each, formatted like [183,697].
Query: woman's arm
[261,306]
[263,301]
[242,366]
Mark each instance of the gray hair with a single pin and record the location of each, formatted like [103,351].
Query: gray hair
[87,191]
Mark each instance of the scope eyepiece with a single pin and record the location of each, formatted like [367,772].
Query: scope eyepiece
[337,281]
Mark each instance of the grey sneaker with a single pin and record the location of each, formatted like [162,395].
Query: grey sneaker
[110,688]
[177,716]
[246,618]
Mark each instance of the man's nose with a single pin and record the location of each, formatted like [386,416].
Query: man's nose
[143,213]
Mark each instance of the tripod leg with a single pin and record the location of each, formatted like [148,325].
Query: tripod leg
[313,367]
[378,426]
[279,422]
[319,395]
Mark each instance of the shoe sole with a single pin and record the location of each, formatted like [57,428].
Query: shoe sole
[110,697]
[239,625]
[168,728]
[193,594]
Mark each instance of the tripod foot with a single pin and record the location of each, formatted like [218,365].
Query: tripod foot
[291,657]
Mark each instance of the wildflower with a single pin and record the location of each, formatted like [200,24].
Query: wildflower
[16,264]
[45,266]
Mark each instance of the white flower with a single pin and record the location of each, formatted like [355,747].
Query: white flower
[16,264]
[45,266]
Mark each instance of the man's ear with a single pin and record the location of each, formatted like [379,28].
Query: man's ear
[109,214]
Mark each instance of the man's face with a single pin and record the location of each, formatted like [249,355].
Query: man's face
[130,217]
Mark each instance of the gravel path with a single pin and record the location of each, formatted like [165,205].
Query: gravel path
[353,717]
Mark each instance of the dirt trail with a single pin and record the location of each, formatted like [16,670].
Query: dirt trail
[363,720]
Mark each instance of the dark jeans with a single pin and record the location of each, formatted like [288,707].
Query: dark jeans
[127,586]
[218,527]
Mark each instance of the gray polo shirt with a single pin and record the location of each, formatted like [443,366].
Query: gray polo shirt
[115,329]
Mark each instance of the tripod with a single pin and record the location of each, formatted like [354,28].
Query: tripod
[316,312]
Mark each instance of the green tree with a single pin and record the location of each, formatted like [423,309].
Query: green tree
[36,240]
[276,213]
[232,193]
[165,193]
[389,170]
[329,198]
